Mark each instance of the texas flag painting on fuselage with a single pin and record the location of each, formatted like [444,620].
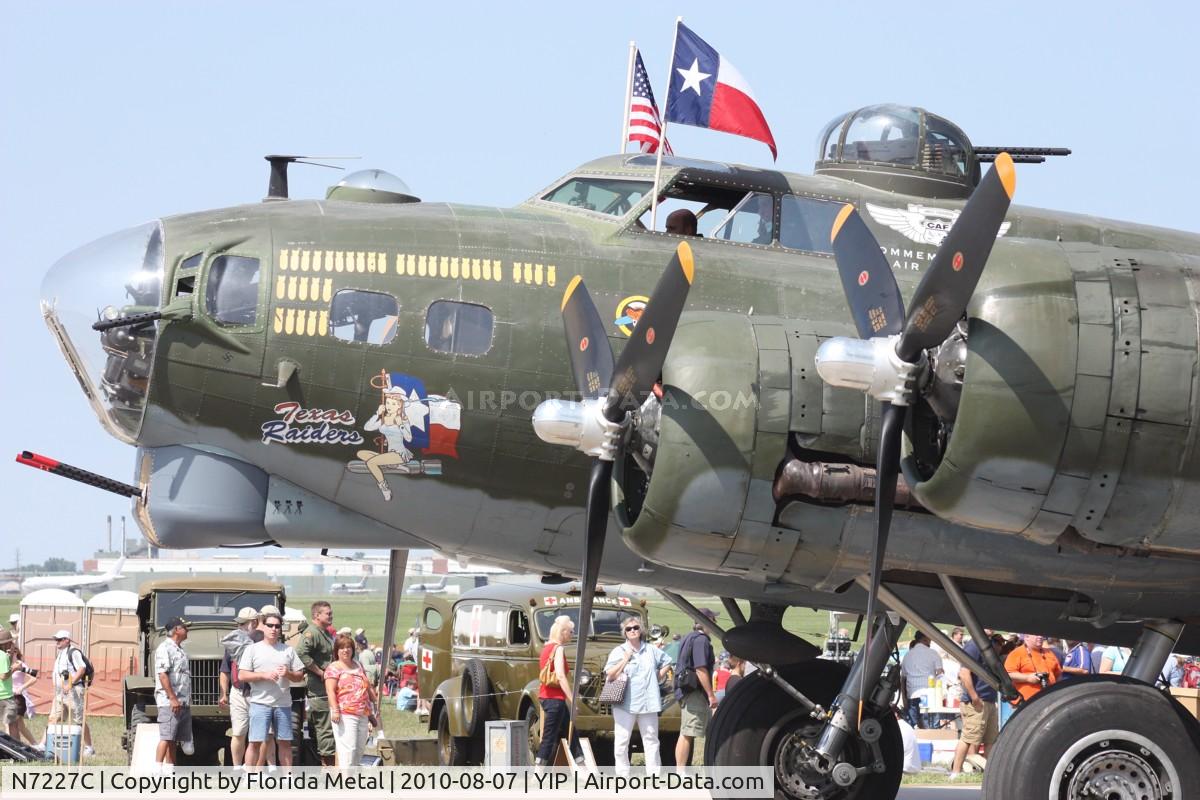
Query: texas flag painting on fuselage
[707,91]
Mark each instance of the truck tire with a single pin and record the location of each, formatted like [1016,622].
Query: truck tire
[533,723]
[137,716]
[476,696]
[453,751]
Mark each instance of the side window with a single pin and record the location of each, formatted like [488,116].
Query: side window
[805,223]
[185,284]
[359,316]
[480,625]
[518,627]
[232,294]
[462,328]
[432,621]
[750,222]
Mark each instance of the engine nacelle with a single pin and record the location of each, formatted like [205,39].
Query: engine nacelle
[734,389]
[1077,411]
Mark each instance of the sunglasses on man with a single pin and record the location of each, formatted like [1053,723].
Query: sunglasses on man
[633,628]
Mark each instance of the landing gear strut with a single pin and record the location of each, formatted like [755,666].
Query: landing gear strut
[760,723]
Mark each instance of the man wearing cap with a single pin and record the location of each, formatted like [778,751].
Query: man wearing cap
[173,694]
[69,672]
[694,688]
[316,652]
[14,626]
[233,688]
[268,666]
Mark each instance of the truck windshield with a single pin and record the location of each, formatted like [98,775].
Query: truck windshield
[606,622]
[201,606]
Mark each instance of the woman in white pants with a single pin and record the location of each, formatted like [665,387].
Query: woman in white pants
[351,702]
[643,666]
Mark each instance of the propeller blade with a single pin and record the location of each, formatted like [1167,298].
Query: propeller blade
[887,467]
[867,279]
[587,342]
[944,292]
[599,488]
[642,359]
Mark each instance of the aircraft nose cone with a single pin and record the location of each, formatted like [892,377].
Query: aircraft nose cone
[118,275]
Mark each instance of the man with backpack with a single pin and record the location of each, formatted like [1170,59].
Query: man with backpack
[694,688]
[73,673]
[234,691]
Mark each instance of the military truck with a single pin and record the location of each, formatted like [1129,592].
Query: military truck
[478,660]
[210,604]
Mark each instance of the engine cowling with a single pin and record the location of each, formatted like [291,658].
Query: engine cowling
[735,388]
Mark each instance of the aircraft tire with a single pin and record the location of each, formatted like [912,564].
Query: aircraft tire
[476,696]
[1096,736]
[758,723]
[453,751]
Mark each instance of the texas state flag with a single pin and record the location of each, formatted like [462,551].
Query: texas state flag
[707,91]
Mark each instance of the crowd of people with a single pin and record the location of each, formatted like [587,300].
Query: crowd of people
[1033,663]
[636,675]
[339,670]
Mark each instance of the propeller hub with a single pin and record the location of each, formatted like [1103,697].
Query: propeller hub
[871,366]
[581,425]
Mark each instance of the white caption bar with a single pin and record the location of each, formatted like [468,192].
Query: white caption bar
[36,783]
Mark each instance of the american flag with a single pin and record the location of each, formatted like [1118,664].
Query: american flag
[645,124]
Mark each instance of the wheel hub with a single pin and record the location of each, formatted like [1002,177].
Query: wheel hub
[795,772]
[1116,770]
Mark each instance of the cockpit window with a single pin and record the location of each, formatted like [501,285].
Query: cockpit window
[805,223]
[606,196]
[886,134]
[232,294]
[358,316]
[750,222]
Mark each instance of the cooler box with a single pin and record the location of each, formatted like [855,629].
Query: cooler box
[63,742]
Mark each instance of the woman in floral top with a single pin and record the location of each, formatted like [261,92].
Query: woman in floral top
[351,702]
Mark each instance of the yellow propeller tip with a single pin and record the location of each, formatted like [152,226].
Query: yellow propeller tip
[578,279]
[1007,172]
[842,216]
[686,263]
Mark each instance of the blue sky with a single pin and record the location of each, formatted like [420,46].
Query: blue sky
[113,114]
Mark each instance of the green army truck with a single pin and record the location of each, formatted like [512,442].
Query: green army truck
[210,605]
[478,661]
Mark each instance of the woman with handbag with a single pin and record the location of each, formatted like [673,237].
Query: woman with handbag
[351,702]
[554,694]
[633,671]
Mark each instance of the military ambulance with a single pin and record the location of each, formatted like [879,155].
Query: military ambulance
[478,661]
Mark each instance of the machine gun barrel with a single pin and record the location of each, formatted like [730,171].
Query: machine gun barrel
[1019,154]
[48,464]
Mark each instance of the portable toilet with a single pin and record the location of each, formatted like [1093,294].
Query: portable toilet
[43,613]
[112,647]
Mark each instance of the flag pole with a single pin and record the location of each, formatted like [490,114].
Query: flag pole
[662,131]
[628,98]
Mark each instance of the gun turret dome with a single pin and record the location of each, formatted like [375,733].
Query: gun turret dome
[901,149]
[371,186]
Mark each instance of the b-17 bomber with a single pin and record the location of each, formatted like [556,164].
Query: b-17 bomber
[882,387]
